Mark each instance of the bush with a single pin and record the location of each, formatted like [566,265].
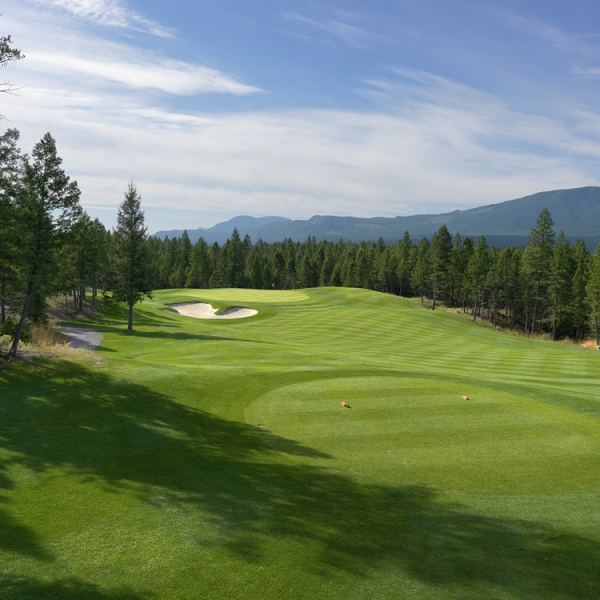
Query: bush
[10,328]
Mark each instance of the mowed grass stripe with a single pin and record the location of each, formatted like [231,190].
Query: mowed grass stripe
[147,475]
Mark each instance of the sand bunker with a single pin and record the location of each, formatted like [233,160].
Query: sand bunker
[200,310]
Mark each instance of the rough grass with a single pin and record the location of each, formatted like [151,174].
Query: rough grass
[147,476]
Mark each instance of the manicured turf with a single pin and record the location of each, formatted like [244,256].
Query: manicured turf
[141,471]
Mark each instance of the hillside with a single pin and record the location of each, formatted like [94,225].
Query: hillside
[576,211]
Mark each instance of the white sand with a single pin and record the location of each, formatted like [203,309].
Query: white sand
[200,310]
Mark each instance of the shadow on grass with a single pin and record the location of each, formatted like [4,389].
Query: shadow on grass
[180,335]
[117,315]
[62,415]
[23,588]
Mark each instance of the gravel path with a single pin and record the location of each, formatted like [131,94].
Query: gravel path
[82,338]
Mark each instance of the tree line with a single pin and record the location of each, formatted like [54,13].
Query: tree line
[549,286]
[50,246]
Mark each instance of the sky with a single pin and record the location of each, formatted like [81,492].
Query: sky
[381,108]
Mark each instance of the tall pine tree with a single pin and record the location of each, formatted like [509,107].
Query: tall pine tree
[48,205]
[130,277]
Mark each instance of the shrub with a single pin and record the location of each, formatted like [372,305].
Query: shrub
[10,328]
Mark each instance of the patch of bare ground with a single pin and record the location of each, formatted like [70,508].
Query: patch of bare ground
[47,341]
[60,309]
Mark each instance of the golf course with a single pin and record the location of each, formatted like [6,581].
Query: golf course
[209,458]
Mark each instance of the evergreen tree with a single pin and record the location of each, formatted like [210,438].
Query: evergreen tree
[538,256]
[559,283]
[130,282]
[48,204]
[11,174]
[421,274]
[404,264]
[579,306]
[593,291]
[441,253]
[477,270]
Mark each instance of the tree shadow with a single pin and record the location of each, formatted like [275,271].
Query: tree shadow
[117,315]
[180,335]
[62,414]
[23,588]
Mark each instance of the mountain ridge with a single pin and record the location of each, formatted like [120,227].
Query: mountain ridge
[576,211]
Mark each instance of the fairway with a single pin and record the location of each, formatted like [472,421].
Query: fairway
[213,459]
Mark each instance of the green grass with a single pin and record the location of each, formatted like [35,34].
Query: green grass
[140,471]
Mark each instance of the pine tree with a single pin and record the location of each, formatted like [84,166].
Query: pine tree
[421,274]
[404,266]
[579,308]
[48,205]
[130,281]
[562,268]
[538,256]
[477,273]
[441,253]
[11,174]
[593,290]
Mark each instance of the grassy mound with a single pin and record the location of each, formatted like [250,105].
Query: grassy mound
[141,471]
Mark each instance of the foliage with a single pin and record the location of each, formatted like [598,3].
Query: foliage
[539,288]
[130,282]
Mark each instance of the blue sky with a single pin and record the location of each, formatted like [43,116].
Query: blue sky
[380,108]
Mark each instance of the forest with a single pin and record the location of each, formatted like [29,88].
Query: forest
[550,286]
[51,247]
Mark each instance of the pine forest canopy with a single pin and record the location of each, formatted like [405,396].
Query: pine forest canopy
[52,247]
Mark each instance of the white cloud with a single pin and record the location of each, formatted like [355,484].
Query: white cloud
[142,71]
[585,45]
[110,13]
[339,27]
[431,147]
[428,144]
[70,57]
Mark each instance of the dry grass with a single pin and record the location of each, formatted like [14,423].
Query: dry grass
[45,341]
[589,345]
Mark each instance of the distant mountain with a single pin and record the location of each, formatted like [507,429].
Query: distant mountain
[222,231]
[576,211]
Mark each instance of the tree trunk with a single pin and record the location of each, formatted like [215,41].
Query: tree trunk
[535,307]
[597,332]
[475,307]
[434,294]
[81,295]
[15,345]
[130,323]
[66,303]
[2,305]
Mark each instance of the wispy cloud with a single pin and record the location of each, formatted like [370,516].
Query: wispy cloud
[79,59]
[344,26]
[143,71]
[586,45]
[432,145]
[109,13]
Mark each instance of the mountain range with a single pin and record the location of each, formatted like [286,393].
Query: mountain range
[575,211]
